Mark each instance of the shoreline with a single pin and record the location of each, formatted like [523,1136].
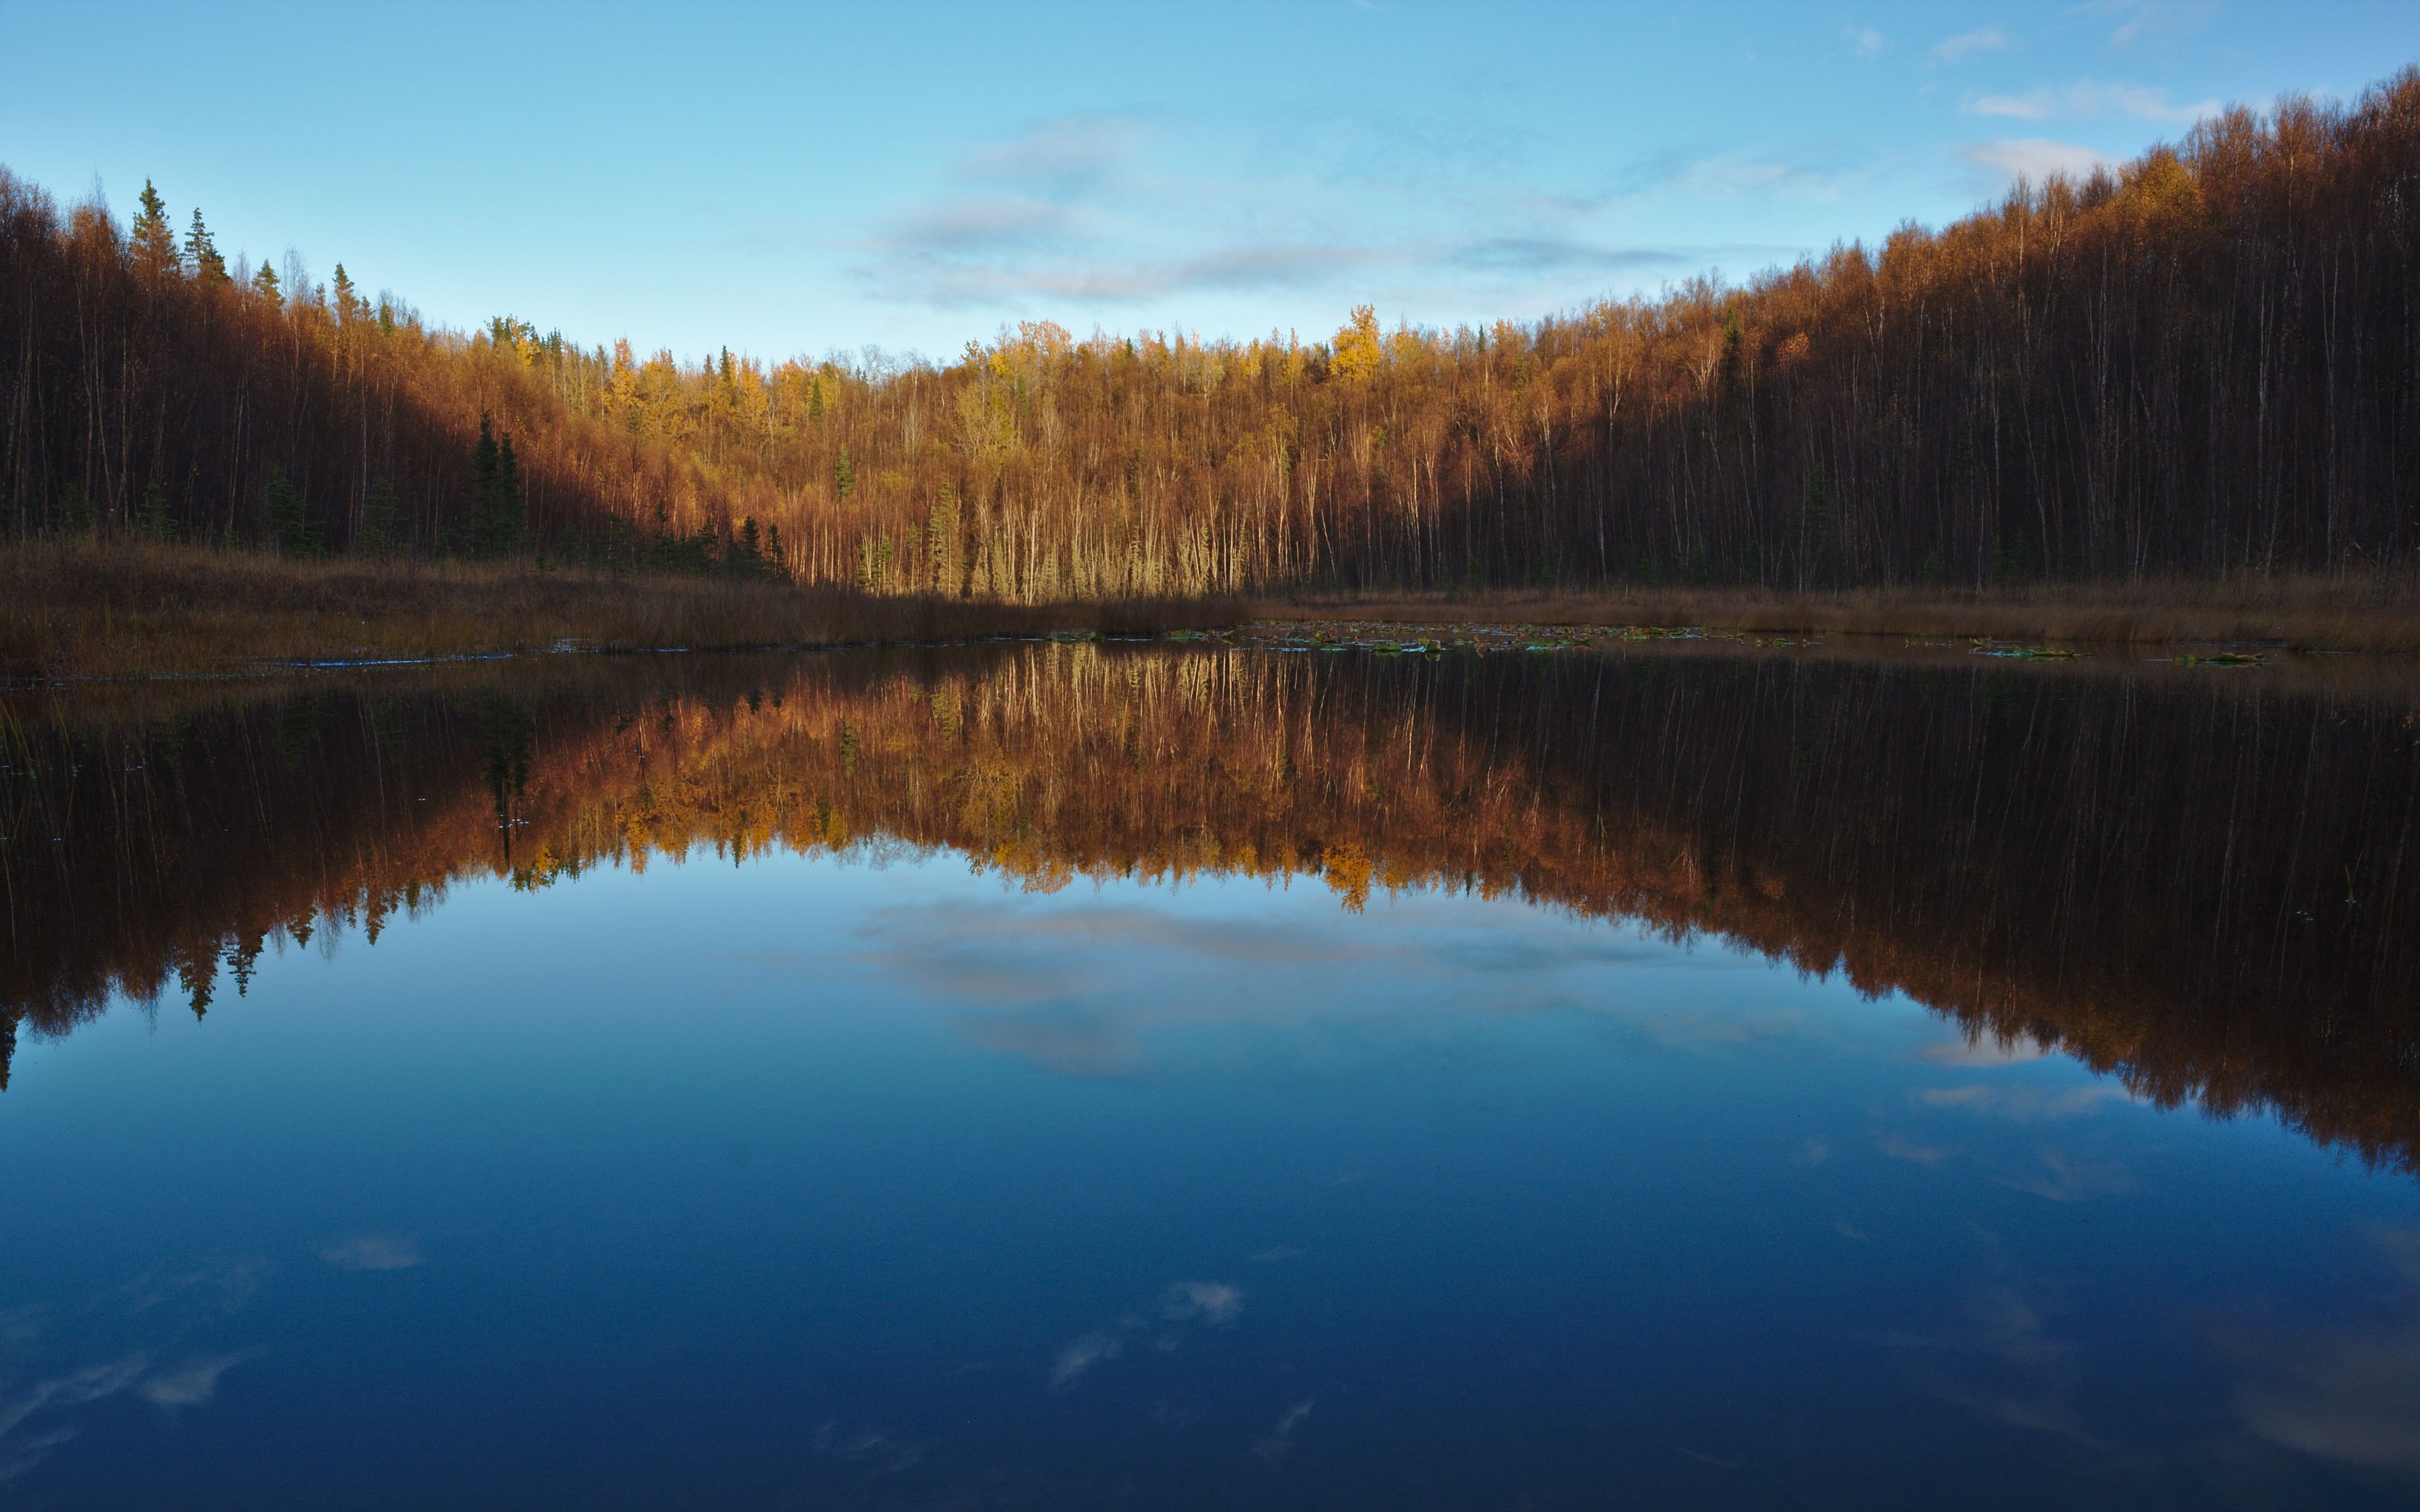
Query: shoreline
[2304,613]
[131,610]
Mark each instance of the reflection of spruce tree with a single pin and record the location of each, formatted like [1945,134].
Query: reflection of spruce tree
[197,971]
[511,742]
[243,956]
[8,1044]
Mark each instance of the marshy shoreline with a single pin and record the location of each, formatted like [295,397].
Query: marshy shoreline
[96,609]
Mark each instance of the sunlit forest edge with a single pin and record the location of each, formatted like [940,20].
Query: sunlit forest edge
[2200,368]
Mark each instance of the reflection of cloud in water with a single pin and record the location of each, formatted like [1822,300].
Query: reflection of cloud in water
[1098,992]
[1064,1037]
[121,1331]
[1273,1448]
[1083,1354]
[374,1252]
[2062,1177]
[2344,1393]
[1213,1302]
[1979,1049]
[194,1383]
[2024,1105]
[1999,1360]
[1898,1148]
[1208,1303]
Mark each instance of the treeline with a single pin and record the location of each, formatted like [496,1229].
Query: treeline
[2204,362]
[2203,887]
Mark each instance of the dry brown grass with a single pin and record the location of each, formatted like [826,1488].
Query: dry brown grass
[88,610]
[2312,614]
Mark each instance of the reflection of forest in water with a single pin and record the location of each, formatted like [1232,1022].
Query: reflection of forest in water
[2198,883]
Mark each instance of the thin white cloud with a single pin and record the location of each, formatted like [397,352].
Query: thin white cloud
[2090,100]
[1958,49]
[1865,39]
[2034,159]
[2137,20]
[1066,155]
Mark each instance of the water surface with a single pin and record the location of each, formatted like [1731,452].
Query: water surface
[1071,1075]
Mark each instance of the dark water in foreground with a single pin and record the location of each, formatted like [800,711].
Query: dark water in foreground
[1065,1076]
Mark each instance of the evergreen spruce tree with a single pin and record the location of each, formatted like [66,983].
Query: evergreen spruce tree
[499,512]
[202,253]
[512,499]
[155,244]
[264,283]
[291,528]
[378,518]
[747,553]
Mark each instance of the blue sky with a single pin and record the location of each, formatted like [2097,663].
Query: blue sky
[800,178]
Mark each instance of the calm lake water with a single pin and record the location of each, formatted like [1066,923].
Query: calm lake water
[1163,1077]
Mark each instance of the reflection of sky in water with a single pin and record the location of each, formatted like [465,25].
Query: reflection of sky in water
[805,1184]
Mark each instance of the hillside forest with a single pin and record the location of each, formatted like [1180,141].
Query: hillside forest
[2203,363]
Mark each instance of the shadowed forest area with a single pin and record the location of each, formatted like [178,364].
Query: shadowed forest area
[2204,366]
[2204,886]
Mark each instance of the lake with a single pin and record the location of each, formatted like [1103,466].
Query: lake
[1153,1075]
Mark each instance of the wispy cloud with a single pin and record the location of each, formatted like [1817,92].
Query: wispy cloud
[1540,254]
[2090,100]
[2034,159]
[2138,20]
[1864,40]
[1959,48]
[1065,154]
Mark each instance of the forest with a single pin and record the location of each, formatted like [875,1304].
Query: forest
[2202,364]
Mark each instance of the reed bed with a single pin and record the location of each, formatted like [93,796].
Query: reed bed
[143,609]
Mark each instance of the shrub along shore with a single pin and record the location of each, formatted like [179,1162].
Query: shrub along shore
[83,609]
